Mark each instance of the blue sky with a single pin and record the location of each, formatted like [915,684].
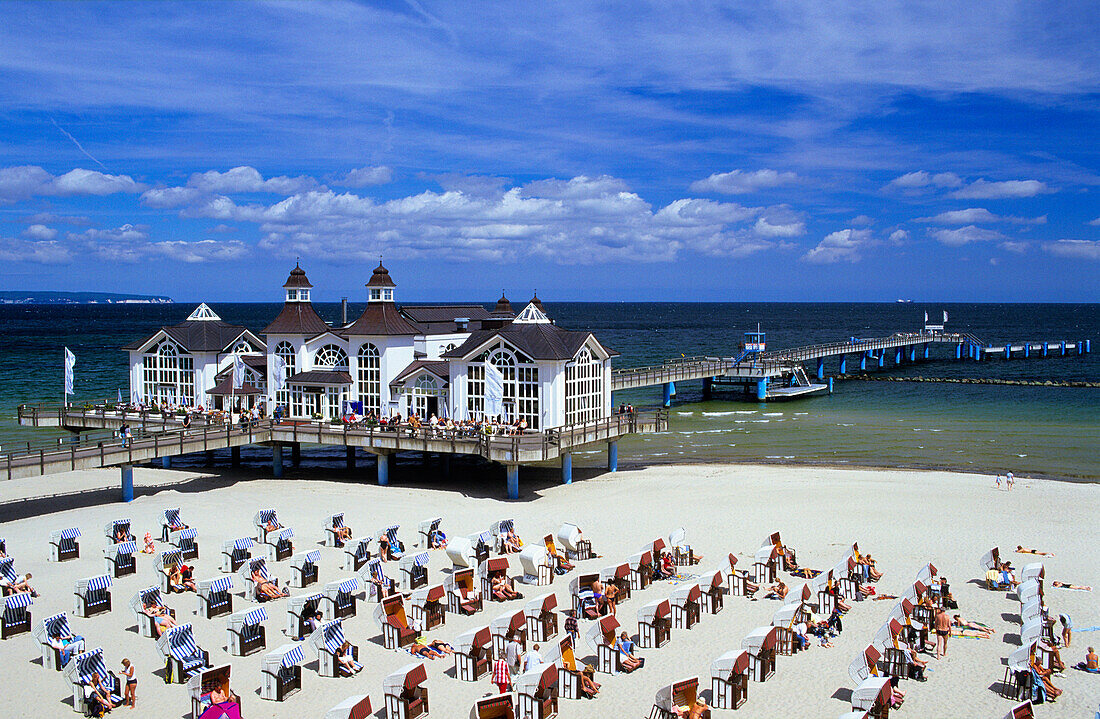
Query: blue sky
[770,151]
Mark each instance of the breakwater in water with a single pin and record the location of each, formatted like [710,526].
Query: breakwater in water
[970,380]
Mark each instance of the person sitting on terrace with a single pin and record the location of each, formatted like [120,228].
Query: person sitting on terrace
[776,591]
[266,588]
[503,589]
[162,620]
[511,542]
[625,648]
[346,659]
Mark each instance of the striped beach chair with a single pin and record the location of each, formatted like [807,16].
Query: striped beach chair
[63,544]
[282,675]
[187,542]
[303,568]
[339,598]
[183,657]
[92,596]
[17,616]
[391,619]
[214,598]
[353,707]
[79,673]
[374,575]
[326,641]
[405,693]
[235,552]
[163,565]
[119,559]
[280,546]
[245,631]
[473,654]
[428,607]
[499,530]
[56,641]
[482,543]
[265,521]
[430,533]
[203,684]
[414,571]
[332,526]
[150,597]
[300,608]
[245,573]
[118,531]
[396,546]
[536,692]
[7,569]
[170,521]
[356,553]
[729,679]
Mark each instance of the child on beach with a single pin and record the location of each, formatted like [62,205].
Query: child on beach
[130,696]
[149,547]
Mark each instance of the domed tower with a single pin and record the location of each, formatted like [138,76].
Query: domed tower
[503,307]
[297,316]
[297,285]
[381,317]
[380,287]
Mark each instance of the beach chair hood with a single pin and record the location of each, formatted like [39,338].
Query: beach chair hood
[735,661]
[408,677]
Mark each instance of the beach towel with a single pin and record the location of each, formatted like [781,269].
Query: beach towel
[804,573]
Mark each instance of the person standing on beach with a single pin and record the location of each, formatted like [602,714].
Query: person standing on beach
[1010,481]
[943,631]
[512,651]
[502,675]
[130,696]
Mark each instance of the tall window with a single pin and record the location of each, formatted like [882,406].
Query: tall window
[370,379]
[425,387]
[521,385]
[583,389]
[331,357]
[286,351]
[167,376]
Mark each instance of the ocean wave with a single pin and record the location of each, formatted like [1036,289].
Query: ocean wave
[761,421]
[717,414]
[773,414]
[685,414]
[746,411]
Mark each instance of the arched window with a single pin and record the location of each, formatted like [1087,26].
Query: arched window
[521,385]
[583,388]
[370,378]
[168,375]
[285,350]
[331,357]
[241,348]
[426,384]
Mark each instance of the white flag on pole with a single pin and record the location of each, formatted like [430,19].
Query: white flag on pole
[945,315]
[494,390]
[238,372]
[70,362]
[135,397]
[119,400]
[925,316]
[278,373]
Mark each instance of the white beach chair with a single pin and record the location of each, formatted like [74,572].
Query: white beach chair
[641,570]
[235,552]
[573,542]
[761,644]
[655,624]
[187,542]
[92,596]
[499,530]
[299,609]
[303,568]
[356,553]
[339,598]
[685,601]
[535,561]
[673,696]
[48,633]
[428,607]
[79,673]
[213,597]
[397,547]
[266,521]
[463,595]
[170,521]
[245,631]
[473,654]
[873,695]
[414,570]
[373,576]
[151,597]
[404,692]
[562,656]
[119,559]
[429,533]
[203,683]
[118,531]
[331,526]
[487,571]
[183,656]
[356,706]
[683,554]
[601,635]
[326,641]
[63,544]
[510,625]
[729,679]
[617,575]
[281,672]
[537,692]
[711,591]
[542,620]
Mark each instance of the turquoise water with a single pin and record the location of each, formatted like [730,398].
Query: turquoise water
[1040,431]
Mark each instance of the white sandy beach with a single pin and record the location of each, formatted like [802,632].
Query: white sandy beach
[903,518]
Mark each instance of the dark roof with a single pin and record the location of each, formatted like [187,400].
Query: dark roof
[297,318]
[444,313]
[225,388]
[381,318]
[381,278]
[255,361]
[438,368]
[321,376]
[199,335]
[297,278]
[538,341]
[503,306]
[537,302]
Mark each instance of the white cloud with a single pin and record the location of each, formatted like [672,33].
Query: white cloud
[125,233]
[899,236]
[1095,223]
[839,246]
[764,228]
[20,183]
[1076,249]
[983,190]
[969,216]
[201,251]
[169,197]
[41,251]
[922,181]
[366,176]
[40,232]
[1016,247]
[862,221]
[93,182]
[965,235]
[738,182]
[248,179]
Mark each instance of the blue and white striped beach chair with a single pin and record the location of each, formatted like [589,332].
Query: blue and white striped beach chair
[170,521]
[340,598]
[56,641]
[92,596]
[430,533]
[246,632]
[303,568]
[118,531]
[301,614]
[326,641]
[500,530]
[151,598]
[235,552]
[7,570]
[63,544]
[163,565]
[332,527]
[182,656]
[185,540]
[282,675]
[280,544]
[396,547]
[374,576]
[79,673]
[482,543]
[214,598]
[414,571]
[17,617]
[356,553]
[265,521]
[119,559]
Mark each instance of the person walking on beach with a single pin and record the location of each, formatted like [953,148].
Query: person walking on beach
[1010,481]
[943,631]
[130,696]
[502,675]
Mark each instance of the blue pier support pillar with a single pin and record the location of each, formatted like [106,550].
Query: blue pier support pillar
[830,385]
[926,351]
[897,356]
[166,462]
[843,364]
[277,460]
[959,351]
[1046,348]
[821,368]
[1027,349]
[1008,352]
[383,470]
[1080,347]
[613,456]
[513,481]
[762,389]
[913,354]
[881,359]
[127,482]
[350,457]
[670,392]
[978,352]
[1088,346]
[1063,348]
[566,468]
[863,362]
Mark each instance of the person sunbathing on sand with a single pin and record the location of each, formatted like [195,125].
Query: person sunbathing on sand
[968,628]
[267,589]
[776,591]
[433,649]
[1024,550]
[696,711]
[1063,585]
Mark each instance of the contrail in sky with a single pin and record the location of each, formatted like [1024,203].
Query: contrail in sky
[78,145]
